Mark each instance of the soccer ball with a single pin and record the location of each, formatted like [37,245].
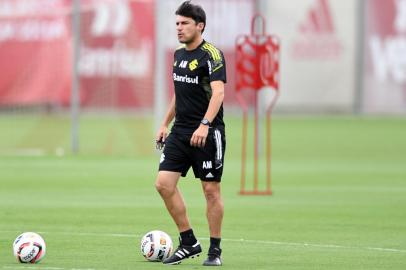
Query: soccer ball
[29,247]
[156,246]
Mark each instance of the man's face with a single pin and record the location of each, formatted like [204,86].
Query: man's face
[188,30]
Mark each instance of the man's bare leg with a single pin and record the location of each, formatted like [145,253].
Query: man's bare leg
[215,212]
[166,185]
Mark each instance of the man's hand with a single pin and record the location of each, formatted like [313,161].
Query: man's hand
[199,136]
[161,137]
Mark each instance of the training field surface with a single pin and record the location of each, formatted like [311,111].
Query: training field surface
[339,197]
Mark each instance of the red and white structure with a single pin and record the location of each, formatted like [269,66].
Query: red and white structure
[257,66]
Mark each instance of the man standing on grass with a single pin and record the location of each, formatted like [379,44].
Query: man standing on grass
[197,137]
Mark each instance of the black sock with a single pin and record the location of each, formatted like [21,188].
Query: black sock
[215,242]
[188,238]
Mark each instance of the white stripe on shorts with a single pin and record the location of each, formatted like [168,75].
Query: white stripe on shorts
[219,146]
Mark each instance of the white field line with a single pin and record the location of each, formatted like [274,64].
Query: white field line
[24,152]
[264,242]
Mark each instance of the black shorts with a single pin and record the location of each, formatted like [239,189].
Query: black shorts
[207,162]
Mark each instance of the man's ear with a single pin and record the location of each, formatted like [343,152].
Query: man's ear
[200,26]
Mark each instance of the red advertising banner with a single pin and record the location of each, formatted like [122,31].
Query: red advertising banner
[116,53]
[385,59]
[117,50]
[317,34]
[34,53]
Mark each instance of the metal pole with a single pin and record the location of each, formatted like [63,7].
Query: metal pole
[160,87]
[244,150]
[268,151]
[359,64]
[75,76]
[256,142]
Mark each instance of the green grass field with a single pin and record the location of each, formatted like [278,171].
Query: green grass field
[339,197]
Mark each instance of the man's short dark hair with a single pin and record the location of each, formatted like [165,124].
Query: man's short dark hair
[196,12]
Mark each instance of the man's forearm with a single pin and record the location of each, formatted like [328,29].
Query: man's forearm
[215,101]
[214,106]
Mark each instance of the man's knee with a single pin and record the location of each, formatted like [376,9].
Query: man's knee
[212,192]
[165,183]
[163,188]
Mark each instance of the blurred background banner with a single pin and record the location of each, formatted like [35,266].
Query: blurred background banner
[318,53]
[35,53]
[385,57]
[117,49]
[319,70]
[116,60]
[117,54]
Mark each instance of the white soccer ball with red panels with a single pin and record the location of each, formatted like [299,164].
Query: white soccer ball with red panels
[156,246]
[29,247]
